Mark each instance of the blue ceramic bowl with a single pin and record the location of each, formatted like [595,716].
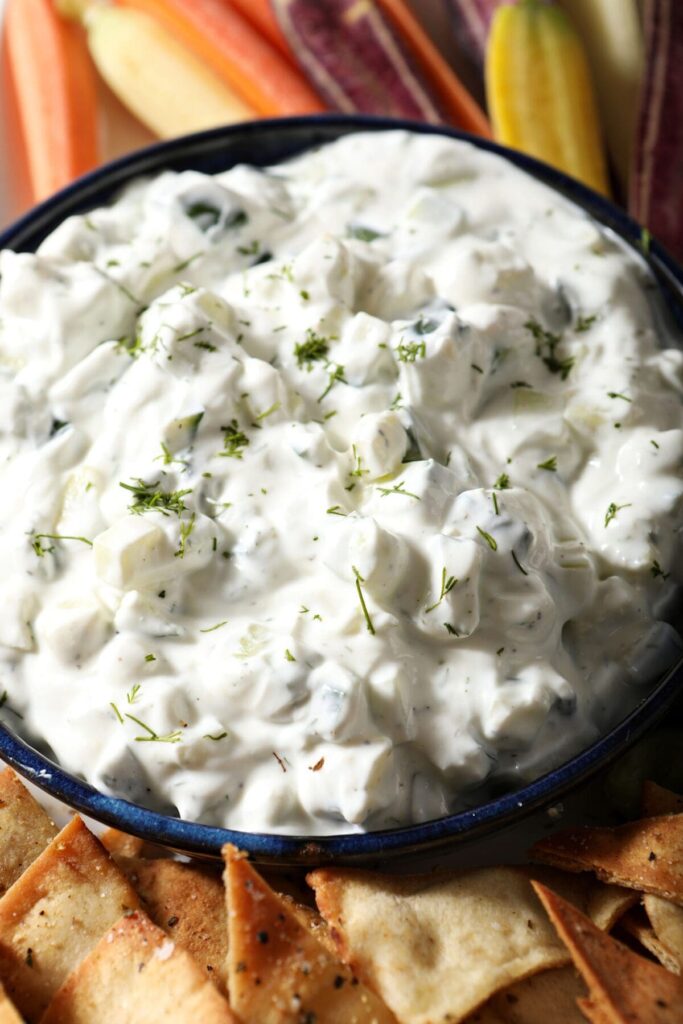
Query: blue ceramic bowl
[262,143]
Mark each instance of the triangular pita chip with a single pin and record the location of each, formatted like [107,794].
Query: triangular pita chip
[646,855]
[436,948]
[189,904]
[623,986]
[55,913]
[280,971]
[137,975]
[25,829]
[636,925]
[666,919]
[542,998]
[656,800]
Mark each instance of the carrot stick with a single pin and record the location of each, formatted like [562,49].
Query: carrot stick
[260,14]
[461,107]
[55,88]
[229,44]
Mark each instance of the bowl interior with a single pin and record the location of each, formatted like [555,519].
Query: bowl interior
[262,143]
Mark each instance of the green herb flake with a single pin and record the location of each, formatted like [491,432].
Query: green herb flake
[133,693]
[409,352]
[447,584]
[216,738]
[363,234]
[519,564]
[234,441]
[116,711]
[491,541]
[656,570]
[612,510]
[148,497]
[153,737]
[550,464]
[450,629]
[313,350]
[210,629]
[150,657]
[584,323]
[502,483]
[359,590]
[398,488]
[334,376]
[618,394]
[288,655]
[186,528]
[546,349]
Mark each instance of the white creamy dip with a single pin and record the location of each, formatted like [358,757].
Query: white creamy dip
[336,492]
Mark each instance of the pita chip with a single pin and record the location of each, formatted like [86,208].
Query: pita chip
[8,1011]
[623,987]
[55,913]
[667,923]
[437,948]
[637,926]
[656,800]
[646,855]
[189,904]
[540,999]
[25,829]
[280,968]
[137,975]
[121,844]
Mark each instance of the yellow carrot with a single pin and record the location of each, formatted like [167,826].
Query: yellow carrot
[540,93]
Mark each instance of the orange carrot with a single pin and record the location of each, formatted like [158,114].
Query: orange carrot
[55,88]
[461,107]
[242,57]
[260,14]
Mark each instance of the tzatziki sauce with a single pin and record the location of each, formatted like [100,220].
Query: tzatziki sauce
[336,495]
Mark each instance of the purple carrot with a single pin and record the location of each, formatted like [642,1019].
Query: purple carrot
[656,191]
[355,58]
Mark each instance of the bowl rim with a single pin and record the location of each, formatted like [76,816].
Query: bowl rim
[468,825]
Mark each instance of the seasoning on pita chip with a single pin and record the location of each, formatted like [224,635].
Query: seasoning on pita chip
[437,948]
[624,987]
[137,975]
[55,913]
[188,902]
[656,800]
[636,925]
[281,971]
[25,829]
[646,855]
[666,919]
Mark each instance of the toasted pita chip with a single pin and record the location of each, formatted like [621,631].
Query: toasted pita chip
[636,925]
[540,999]
[605,904]
[655,800]
[189,904]
[25,829]
[623,986]
[280,972]
[646,855]
[667,922]
[120,844]
[137,975]
[55,913]
[438,948]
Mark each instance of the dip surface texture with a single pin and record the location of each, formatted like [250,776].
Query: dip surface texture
[333,493]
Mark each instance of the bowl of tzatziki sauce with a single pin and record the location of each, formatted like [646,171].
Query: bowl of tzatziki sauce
[342,463]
